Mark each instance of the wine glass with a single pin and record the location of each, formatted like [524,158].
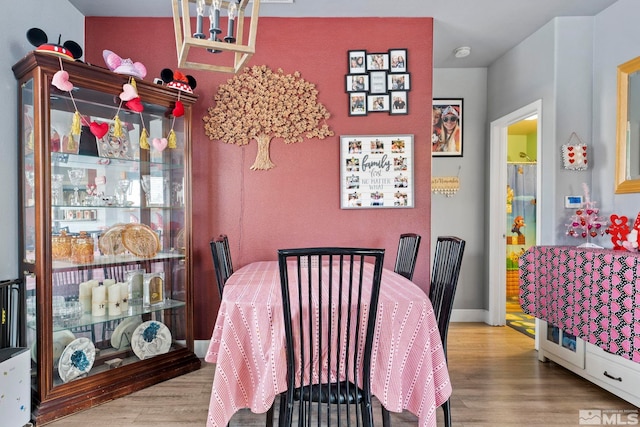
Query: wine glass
[145,183]
[76,176]
[121,190]
[56,189]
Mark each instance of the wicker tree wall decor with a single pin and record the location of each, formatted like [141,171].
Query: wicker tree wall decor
[261,104]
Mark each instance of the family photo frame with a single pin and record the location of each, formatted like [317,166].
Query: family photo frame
[376,171]
[447,127]
[377,82]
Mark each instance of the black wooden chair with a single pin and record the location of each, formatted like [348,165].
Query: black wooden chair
[221,260]
[407,254]
[447,260]
[316,338]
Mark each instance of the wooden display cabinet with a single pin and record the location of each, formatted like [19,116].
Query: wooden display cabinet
[113,315]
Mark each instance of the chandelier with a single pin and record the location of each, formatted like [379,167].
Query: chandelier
[227,51]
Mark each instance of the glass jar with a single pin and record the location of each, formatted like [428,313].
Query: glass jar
[61,247]
[82,248]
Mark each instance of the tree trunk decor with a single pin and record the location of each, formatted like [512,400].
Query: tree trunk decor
[262,104]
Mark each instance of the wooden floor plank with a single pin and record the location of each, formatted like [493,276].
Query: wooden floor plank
[496,376]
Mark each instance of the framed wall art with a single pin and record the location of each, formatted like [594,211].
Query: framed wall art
[376,171]
[379,79]
[447,129]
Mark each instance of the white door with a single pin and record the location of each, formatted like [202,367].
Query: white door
[498,208]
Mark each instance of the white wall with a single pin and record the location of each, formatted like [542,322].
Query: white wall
[617,36]
[555,65]
[463,215]
[55,17]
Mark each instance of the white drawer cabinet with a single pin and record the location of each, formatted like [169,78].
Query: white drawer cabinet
[614,373]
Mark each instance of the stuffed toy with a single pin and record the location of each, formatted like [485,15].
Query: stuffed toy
[69,50]
[123,66]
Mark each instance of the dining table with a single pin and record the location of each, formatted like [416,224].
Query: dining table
[409,368]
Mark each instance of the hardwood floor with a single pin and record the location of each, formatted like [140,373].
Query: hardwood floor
[497,381]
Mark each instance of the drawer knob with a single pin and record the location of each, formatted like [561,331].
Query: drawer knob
[608,375]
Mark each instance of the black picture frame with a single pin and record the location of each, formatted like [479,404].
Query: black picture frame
[378,61]
[443,145]
[399,102]
[378,103]
[377,82]
[357,61]
[397,60]
[357,83]
[399,81]
[358,103]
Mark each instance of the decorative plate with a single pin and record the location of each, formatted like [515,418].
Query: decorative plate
[141,240]
[116,147]
[151,339]
[110,242]
[77,359]
[60,340]
[122,334]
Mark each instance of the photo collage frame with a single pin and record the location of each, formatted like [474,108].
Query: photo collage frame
[378,82]
[376,171]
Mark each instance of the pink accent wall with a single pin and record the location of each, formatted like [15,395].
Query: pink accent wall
[297,203]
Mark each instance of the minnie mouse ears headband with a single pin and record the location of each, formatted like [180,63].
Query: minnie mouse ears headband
[69,50]
[177,80]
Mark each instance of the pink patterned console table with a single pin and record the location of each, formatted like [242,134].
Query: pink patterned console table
[591,293]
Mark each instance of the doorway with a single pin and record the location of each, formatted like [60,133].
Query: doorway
[499,177]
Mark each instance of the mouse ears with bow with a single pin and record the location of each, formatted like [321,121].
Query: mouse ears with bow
[177,80]
[69,50]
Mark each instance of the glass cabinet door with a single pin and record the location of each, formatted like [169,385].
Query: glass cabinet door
[104,235]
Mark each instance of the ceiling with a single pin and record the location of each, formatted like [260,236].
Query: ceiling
[489,27]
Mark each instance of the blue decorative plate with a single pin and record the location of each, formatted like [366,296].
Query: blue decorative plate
[151,339]
[77,359]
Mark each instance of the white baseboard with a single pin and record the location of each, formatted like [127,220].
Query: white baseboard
[473,315]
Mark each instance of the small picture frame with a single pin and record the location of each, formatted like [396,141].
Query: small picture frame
[399,103]
[153,291]
[357,82]
[377,82]
[358,104]
[447,137]
[398,60]
[399,81]
[135,283]
[377,61]
[357,61]
[378,103]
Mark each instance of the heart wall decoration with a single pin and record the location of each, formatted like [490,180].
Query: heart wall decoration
[574,156]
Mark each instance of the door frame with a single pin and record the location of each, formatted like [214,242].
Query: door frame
[498,207]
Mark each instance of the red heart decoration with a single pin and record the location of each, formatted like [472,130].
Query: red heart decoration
[128,92]
[594,234]
[571,160]
[135,105]
[99,129]
[579,212]
[571,154]
[178,110]
[570,148]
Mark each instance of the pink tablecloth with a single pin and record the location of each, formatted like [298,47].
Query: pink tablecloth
[247,346]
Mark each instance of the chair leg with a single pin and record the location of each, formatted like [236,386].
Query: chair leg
[386,417]
[270,416]
[446,407]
